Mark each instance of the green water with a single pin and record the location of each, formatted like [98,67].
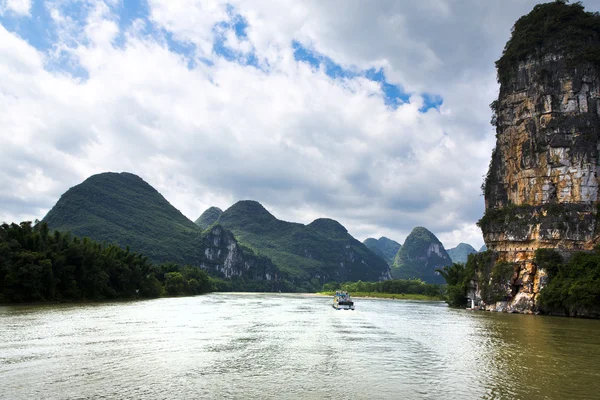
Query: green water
[254,346]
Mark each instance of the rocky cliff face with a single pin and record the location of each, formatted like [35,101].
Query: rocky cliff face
[224,257]
[541,190]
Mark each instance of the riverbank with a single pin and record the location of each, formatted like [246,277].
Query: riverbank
[393,296]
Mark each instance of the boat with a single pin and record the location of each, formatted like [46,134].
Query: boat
[342,301]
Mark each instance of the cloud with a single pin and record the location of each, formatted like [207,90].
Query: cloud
[211,103]
[20,8]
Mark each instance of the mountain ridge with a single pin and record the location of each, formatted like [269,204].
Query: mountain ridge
[384,247]
[319,252]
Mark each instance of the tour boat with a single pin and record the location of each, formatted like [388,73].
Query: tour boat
[342,301]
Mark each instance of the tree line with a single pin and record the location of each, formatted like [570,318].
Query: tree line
[393,286]
[39,265]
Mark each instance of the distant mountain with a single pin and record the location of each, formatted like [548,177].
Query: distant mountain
[419,257]
[320,252]
[483,248]
[122,209]
[460,253]
[208,217]
[383,247]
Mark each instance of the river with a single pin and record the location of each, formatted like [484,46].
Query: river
[268,346]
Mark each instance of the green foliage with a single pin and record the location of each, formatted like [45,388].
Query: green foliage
[493,277]
[458,277]
[208,217]
[323,249]
[554,27]
[394,286]
[574,287]
[36,265]
[416,259]
[384,248]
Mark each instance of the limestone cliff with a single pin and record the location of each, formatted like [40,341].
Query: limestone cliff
[541,190]
[223,256]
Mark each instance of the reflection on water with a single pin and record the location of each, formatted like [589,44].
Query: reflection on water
[286,346]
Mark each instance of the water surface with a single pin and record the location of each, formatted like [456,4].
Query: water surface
[263,346]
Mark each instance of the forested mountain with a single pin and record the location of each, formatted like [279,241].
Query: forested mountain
[383,247]
[208,217]
[460,253]
[122,209]
[419,257]
[319,252]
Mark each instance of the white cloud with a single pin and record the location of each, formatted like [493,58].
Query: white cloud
[19,7]
[302,143]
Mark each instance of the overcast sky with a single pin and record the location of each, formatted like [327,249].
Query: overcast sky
[374,113]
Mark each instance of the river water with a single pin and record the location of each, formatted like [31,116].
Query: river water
[265,346]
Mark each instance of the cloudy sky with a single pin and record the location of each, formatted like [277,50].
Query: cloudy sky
[374,113]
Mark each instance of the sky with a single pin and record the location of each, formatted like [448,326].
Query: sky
[375,114]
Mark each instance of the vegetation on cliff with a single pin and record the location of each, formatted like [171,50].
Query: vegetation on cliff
[308,254]
[555,27]
[420,256]
[39,265]
[457,284]
[574,286]
[383,247]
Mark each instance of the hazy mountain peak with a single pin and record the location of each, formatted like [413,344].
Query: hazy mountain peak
[419,257]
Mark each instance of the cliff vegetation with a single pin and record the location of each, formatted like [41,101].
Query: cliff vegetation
[555,27]
[574,286]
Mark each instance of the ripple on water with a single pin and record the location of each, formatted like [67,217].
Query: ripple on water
[274,346]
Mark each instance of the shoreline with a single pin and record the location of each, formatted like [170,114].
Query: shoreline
[388,296]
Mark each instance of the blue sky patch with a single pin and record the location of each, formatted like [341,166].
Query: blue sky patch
[36,30]
[431,101]
[394,95]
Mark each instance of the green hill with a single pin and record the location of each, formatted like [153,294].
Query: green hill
[419,257]
[383,247]
[208,217]
[460,253]
[320,252]
[122,209]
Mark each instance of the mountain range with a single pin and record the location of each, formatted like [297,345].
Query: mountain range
[320,251]
[245,241]
[122,209]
